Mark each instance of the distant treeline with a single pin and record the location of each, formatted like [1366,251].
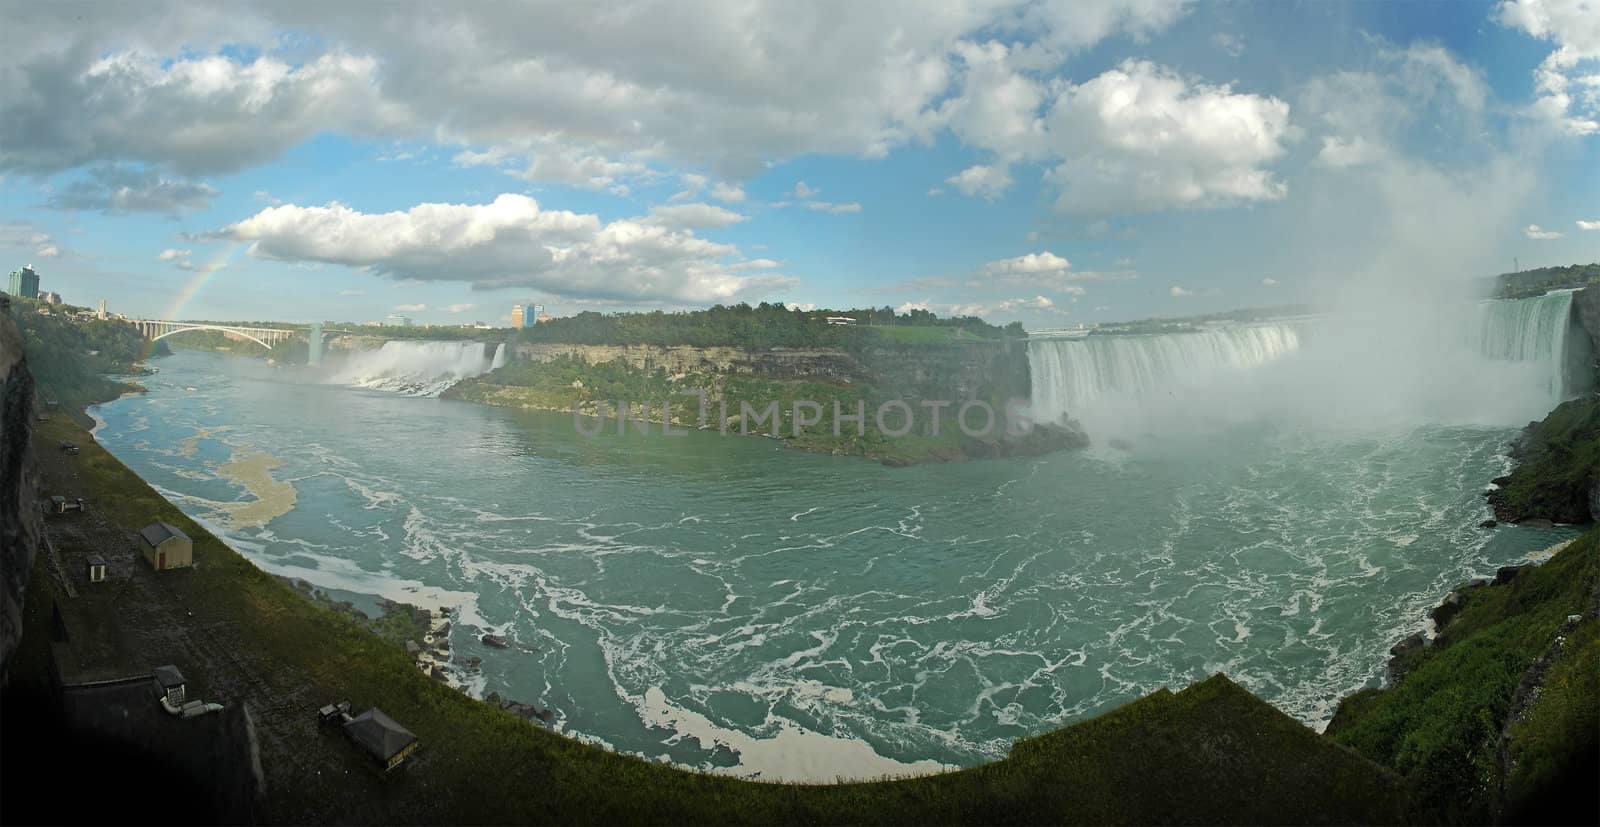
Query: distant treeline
[1526,283]
[765,325]
[1249,314]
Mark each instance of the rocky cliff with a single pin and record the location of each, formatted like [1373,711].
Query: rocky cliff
[956,371]
[19,512]
[1586,306]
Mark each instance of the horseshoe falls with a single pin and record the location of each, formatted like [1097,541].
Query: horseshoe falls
[1497,362]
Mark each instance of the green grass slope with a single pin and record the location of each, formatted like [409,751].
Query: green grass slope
[1558,460]
[1441,725]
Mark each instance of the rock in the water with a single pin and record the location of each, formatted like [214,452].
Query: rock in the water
[1536,522]
[496,641]
[1501,481]
[436,672]
[1488,524]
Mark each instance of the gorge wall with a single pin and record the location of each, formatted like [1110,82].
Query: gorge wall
[956,370]
[19,513]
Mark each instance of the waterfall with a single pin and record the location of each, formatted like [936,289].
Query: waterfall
[1536,330]
[416,368]
[1069,375]
[499,357]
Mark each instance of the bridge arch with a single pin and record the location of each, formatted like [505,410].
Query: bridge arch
[233,330]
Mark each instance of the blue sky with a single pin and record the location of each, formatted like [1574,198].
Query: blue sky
[1041,161]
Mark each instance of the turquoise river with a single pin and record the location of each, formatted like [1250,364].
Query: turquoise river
[727,603]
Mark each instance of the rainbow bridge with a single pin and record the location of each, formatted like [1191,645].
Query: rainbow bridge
[158,329]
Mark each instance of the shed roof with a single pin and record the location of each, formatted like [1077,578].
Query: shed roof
[159,532]
[378,734]
[168,676]
[95,560]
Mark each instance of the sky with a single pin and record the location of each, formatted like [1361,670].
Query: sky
[1052,162]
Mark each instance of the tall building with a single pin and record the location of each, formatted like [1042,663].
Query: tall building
[527,315]
[24,283]
[395,320]
[102,313]
[49,298]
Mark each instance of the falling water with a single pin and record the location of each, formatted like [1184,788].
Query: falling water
[1069,375]
[1534,330]
[417,368]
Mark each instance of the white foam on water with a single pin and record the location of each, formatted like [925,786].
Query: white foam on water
[792,753]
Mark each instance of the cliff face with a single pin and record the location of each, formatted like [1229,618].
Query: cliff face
[19,512]
[1586,306]
[954,371]
[833,364]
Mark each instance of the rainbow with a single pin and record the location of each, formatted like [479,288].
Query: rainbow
[198,281]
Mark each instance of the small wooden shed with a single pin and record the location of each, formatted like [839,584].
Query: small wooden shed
[165,547]
[381,737]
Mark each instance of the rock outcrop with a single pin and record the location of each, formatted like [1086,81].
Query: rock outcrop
[19,481]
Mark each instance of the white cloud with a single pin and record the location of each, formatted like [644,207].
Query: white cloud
[1141,137]
[593,100]
[804,307]
[934,192]
[1179,292]
[727,193]
[1232,44]
[1537,234]
[410,308]
[171,254]
[1045,262]
[1568,80]
[1588,225]
[802,191]
[1037,303]
[459,308]
[836,209]
[352,292]
[1270,282]
[1043,271]
[692,216]
[1136,138]
[47,251]
[510,242]
[989,182]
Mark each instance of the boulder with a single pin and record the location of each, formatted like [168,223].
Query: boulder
[1400,653]
[1536,522]
[1488,524]
[413,648]
[496,641]
[436,672]
[1505,574]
